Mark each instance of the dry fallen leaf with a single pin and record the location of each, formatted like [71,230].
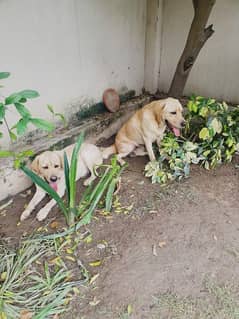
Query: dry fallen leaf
[6,204]
[71,258]
[69,251]
[3,315]
[94,302]
[154,250]
[141,183]
[26,314]
[54,225]
[93,279]
[88,239]
[3,276]
[215,237]
[162,244]
[153,211]
[129,309]
[76,290]
[95,263]
[55,261]
[27,193]
[101,246]
[3,213]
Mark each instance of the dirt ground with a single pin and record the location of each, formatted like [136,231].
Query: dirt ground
[159,245]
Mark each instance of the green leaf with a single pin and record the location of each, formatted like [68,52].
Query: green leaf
[206,165]
[21,126]
[206,153]
[203,111]
[47,188]
[237,147]
[109,195]
[62,118]
[27,153]
[66,173]
[13,136]
[42,124]
[204,134]
[129,310]
[6,154]
[17,163]
[21,96]
[28,94]
[4,75]
[13,98]
[2,110]
[50,108]
[190,146]
[192,106]
[216,125]
[73,170]
[22,110]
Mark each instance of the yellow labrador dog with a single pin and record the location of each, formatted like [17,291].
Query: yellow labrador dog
[49,165]
[147,126]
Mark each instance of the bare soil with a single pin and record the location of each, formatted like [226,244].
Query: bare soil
[171,240]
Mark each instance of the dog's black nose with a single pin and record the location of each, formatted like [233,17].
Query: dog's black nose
[53,178]
[183,123]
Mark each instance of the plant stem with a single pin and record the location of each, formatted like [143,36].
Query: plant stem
[8,128]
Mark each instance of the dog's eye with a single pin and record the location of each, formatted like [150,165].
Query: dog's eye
[56,166]
[45,167]
[174,113]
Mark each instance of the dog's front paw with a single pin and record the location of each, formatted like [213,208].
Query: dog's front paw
[88,181]
[24,215]
[42,214]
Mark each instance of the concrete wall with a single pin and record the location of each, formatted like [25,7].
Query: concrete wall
[71,50]
[153,44]
[216,71]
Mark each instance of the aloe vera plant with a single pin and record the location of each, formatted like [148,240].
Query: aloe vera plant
[82,211]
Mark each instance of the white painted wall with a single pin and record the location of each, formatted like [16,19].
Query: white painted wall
[153,44]
[71,50]
[216,71]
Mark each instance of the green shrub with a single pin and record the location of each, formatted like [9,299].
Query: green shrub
[211,137]
[18,101]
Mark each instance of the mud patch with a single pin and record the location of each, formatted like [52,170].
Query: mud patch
[171,240]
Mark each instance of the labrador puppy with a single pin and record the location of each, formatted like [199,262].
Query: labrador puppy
[49,166]
[145,127]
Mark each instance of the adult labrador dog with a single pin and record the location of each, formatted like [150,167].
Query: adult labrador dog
[147,126]
[49,166]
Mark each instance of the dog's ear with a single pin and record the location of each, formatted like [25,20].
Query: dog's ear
[61,158]
[163,106]
[35,165]
[159,113]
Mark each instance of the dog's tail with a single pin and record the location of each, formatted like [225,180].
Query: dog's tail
[106,152]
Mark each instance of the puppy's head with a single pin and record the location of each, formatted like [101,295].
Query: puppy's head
[49,166]
[173,115]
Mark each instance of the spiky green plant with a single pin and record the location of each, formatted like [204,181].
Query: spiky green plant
[93,194]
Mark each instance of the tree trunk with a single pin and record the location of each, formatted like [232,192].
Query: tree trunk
[197,37]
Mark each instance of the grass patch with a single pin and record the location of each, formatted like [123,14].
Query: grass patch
[35,281]
[219,302]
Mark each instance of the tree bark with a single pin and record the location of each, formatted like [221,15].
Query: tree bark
[197,37]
